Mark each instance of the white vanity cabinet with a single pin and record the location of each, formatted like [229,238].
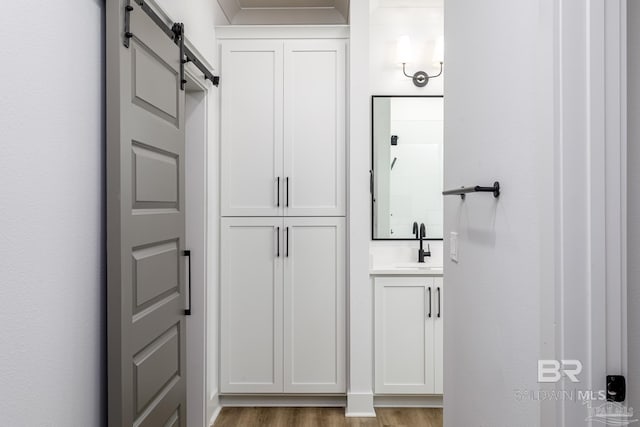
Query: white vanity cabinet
[283,326]
[408,334]
[283,127]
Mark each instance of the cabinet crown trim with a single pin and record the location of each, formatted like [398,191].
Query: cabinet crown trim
[231,32]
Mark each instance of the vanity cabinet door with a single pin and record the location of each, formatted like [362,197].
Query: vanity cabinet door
[404,335]
[252,179]
[438,343]
[314,305]
[251,305]
[314,127]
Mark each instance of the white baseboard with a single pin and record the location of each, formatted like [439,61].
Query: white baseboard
[214,416]
[360,405]
[407,401]
[213,408]
[262,400]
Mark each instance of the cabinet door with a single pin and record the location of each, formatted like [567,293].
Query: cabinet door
[251,128]
[314,305]
[438,335]
[404,332]
[251,305]
[314,121]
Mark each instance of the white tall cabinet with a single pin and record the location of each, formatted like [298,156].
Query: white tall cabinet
[251,337]
[251,128]
[283,128]
[314,128]
[314,305]
[283,202]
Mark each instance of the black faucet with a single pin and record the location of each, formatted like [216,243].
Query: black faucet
[420,234]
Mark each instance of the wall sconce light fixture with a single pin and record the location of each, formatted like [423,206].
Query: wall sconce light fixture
[405,55]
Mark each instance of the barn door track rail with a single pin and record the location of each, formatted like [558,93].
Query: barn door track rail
[495,189]
[176,33]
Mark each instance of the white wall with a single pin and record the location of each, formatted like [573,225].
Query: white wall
[219,16]
[52,279]
[360,385]
[633,194]
[199,18]
[423,25]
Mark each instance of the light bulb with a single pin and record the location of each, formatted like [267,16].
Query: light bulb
[404,53]
[438,50]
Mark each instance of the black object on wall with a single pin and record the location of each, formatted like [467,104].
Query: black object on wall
[616,388]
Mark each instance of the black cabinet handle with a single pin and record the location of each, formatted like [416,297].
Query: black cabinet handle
[429,315]
[278,191]
[439,301]
[278,242]
[373,196]
[187,312]
[287,253]
[287,191]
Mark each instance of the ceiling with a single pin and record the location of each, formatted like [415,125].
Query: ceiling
[286,12]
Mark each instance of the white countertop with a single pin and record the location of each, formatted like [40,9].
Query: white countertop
[414,269]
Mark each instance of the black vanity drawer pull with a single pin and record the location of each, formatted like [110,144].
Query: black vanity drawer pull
[439,301]
[278,242]
[429,315]
[278,191]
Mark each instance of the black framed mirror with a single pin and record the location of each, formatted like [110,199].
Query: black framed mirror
[406,166]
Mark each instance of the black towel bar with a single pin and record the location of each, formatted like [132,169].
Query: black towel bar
[476,189]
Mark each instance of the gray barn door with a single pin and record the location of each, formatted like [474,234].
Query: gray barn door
[145,225]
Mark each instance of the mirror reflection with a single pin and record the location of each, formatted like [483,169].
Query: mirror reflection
[407,166]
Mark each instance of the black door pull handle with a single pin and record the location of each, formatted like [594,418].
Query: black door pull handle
[287,253]
[278,191]
[278,242]
[187,312]
[287,179]
[439,301]
[429,315]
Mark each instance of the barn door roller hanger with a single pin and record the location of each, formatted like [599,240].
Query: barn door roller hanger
[175,33]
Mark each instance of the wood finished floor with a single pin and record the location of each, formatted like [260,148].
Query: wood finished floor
[327,417]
